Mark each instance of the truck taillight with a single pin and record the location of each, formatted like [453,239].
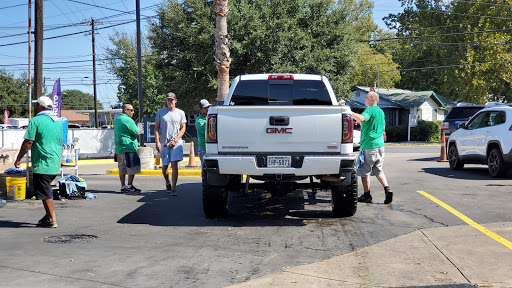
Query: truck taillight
[445,126]
[348,129]
[270,77]
[211,128]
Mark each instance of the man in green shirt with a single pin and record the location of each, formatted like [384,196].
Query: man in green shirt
[125,137]
[371,156]
[204,105]
[44,139]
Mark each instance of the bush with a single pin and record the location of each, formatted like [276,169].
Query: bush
[425,131]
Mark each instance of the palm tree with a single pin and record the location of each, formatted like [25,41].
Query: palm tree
[222,39]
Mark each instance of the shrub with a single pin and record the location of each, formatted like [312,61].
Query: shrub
[424,131]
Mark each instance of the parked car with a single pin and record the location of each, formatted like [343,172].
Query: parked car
[356,136]
[460,113]
[485,139]
[7,126]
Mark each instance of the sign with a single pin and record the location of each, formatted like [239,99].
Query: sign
[6,117]
[56,98]
[413,120]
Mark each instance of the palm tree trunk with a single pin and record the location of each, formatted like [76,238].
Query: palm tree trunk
[222,39]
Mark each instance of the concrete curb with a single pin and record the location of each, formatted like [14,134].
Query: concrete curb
[181,172]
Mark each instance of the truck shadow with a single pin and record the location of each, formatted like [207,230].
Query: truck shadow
[256,208]
[472,173]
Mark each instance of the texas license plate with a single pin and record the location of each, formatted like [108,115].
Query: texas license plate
[279,161]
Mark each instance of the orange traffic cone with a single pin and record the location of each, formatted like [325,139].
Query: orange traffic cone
[191,155]
[443,150]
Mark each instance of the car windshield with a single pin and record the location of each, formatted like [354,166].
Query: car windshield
[281,92]
[463,112]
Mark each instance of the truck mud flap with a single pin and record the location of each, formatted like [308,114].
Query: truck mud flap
[216,179]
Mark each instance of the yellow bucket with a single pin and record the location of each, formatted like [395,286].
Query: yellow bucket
[16,188]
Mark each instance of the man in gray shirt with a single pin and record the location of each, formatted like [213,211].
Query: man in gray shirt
[170,126]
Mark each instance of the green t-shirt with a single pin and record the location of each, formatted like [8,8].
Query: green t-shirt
[372,129]
[47,146]
[125,134]
[201,130]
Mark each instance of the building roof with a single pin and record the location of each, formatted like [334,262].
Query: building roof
[71,115]
[101,111]
[408,98]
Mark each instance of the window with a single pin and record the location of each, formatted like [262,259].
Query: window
[479,121]
[281,92]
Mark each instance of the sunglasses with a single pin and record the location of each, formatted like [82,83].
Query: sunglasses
[131,110]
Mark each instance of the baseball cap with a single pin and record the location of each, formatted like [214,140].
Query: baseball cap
[44,101]
[204,103]
[171,95]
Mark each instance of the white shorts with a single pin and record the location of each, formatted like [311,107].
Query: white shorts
[173,154]
[373,161]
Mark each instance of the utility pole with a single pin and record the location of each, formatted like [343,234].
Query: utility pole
[38,59]
[29,78]
[139,71]
[96,124]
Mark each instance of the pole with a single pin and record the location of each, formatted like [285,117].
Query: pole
[378,79]
[29,76]
[139,71]
[96,124]
[38,58]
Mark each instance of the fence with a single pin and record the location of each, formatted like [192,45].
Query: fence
[89,140]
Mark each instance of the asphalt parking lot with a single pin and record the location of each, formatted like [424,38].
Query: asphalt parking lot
[445,228]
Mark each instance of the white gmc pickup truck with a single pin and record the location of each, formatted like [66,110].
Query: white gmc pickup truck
[279,129]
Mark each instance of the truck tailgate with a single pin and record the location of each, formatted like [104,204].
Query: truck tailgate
[279,129]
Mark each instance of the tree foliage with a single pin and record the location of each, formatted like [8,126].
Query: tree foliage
[13,95]
[460,49]
[73,99]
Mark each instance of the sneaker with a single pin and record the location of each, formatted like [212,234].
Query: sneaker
[47,224]
[389,196]
[45,218]
[168,187]
[124,189]
[365,199]
[132,188]
[174,192]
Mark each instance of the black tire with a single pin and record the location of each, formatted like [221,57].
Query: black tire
[235,183]
[215,199]
[453,158]
[344,198]
[495,163]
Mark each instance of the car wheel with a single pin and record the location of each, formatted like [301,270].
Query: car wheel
[344,198]
[453,158]
[215,199]
[495,163]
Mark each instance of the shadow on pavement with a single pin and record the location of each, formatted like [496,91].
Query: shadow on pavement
[256,208]
[471,173]
[428,159]
[12,224]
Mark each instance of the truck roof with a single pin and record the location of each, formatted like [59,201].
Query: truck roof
[295,76]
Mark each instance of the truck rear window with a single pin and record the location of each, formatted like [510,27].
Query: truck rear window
[280,92]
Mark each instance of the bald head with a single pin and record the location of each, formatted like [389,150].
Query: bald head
[371,99]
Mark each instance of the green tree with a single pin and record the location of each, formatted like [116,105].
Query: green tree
[375,69]
[122,61]
[460,49]
[73,99]
[13,95]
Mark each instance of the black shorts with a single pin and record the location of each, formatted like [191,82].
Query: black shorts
[43,186]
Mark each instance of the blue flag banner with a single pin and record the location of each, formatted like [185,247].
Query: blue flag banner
[56,98]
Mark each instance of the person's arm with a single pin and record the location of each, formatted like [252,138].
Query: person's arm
[183,128]
[358,117]
[25,146]
[157,136]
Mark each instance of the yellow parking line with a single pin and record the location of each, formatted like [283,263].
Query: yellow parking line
[482,229]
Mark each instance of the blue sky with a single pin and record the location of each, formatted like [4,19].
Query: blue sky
[70,57]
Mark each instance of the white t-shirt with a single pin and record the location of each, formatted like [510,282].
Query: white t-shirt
[170,122]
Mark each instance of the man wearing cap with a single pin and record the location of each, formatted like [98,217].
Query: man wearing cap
[204,105]
[170,125]
[44,139]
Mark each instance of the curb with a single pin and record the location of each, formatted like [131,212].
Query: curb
[182,173]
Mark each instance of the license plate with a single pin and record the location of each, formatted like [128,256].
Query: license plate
[279,161]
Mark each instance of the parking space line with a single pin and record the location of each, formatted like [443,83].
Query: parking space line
[464,218]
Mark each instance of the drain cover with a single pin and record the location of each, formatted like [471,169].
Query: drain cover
[72,238]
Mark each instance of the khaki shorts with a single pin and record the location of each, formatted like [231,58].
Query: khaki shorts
[373,161]
[121,164]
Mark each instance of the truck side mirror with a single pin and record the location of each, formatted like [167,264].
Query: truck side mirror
[462,125]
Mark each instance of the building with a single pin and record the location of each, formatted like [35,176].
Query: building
[105,117]
[75,118]
[397,104]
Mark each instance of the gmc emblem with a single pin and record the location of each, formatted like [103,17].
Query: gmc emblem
[279,130]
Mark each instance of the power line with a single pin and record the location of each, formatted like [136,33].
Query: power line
[437,35]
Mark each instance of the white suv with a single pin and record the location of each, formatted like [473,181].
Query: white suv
[485,139]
